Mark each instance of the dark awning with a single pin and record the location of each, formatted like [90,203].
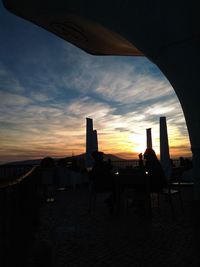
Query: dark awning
[86,34]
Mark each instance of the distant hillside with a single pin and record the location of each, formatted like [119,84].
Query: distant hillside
[25,162]
[106,156]
[81,156]
[112,157]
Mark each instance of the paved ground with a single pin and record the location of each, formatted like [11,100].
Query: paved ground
[69,236]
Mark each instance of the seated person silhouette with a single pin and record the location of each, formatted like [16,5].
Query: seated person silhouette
[101,173]
[155,172]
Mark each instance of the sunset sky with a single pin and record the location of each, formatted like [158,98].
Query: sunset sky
[48,87]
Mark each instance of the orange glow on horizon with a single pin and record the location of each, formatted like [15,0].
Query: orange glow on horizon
[126,145]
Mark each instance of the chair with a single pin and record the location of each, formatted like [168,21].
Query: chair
[172,190]
[135,186]
[94,191]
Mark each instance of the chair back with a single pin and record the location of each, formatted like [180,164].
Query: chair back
[133,178]
[176,176]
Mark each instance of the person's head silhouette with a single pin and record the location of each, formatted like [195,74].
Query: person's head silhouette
[97,156]
[150,154]
[140,156]
[47,162]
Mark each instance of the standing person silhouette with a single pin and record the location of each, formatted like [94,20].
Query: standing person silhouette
[155,172]
[140,161]
[102,176]
[101,172]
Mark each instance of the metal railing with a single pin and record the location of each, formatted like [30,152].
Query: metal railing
[125,164]
[10,172]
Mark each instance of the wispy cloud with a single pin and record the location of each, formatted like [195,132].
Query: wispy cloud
[88,107]
[40,97]
[49,87]
[9,100]
[127,90]
[8,81]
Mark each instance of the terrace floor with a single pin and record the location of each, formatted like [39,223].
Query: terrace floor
[69,236]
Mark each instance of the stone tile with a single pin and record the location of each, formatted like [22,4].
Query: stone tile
[78,238]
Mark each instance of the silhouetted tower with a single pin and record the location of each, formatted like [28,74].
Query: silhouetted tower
[95,141]
[91,142]
[164,148]
[149,138]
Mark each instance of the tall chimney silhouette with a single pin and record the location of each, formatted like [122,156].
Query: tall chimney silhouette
[149,139]
[89,142]
[95,141]
[164,148]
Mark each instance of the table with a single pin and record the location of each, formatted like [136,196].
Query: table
[137,180]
